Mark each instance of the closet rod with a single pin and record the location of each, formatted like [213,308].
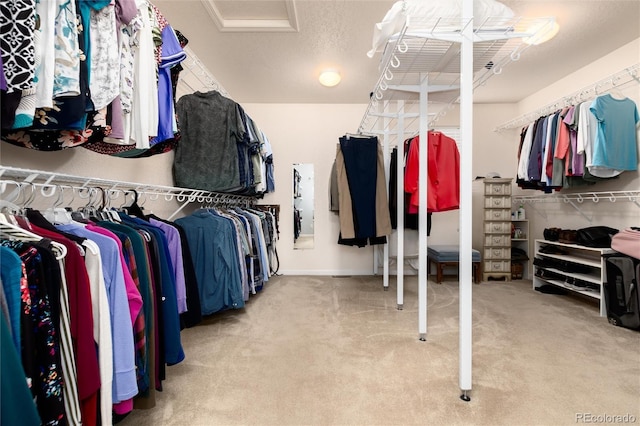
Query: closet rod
[628,75]
[48,181]
[580,197]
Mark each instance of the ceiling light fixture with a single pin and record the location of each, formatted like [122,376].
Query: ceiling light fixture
[329,78]
[542,32]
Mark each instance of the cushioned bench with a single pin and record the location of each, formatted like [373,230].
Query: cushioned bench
[449,255]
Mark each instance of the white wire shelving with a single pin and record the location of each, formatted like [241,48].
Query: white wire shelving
[17,181]
[431,47]
[615,81]
[577,200]
[195,77]
[435,61]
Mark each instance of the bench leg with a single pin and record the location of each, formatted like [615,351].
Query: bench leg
[439,272]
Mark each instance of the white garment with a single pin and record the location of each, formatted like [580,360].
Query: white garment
[105,76]
[523,163]
[45,48]
[101,327]
[66,80]
[67,357]
[587,131]
[144,110]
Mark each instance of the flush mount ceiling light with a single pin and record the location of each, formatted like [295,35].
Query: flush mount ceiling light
[542,32]
[329,78]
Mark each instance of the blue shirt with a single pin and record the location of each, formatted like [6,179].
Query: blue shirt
[215,260]
[11,273]
[615,146]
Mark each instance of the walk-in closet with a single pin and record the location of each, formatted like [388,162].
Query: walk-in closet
[310,212]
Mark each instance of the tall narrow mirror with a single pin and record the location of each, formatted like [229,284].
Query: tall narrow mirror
[302,206]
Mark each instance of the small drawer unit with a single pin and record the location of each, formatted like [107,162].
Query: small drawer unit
[497,202]
[501,266]
[497,214]
[496,240]
[497,188]
[496,253]
[497,229]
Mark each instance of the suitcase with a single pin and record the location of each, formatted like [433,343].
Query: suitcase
[621,291]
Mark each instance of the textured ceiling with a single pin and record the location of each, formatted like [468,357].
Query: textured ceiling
[263,64]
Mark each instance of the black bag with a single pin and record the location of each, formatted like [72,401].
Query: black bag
[596,236]
[551,234]
[621,291]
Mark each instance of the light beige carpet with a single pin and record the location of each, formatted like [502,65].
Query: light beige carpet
[336,351]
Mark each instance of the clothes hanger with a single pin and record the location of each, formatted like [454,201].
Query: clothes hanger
[110,213]
[617,94]
[14,232]
[134,209]
[57,214]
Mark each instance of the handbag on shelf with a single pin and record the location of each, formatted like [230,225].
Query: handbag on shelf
[627,242]
[596,236]
[551,234]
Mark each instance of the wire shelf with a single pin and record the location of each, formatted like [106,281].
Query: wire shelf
[430,48]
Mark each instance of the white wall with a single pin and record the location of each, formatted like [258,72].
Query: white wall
[308,133]
[617,60]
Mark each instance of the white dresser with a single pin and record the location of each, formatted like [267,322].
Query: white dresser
[497,229]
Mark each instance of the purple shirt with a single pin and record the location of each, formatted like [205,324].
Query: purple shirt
[175,252]
[3,81]
[577,160]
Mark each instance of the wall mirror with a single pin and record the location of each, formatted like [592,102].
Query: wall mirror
[302,206]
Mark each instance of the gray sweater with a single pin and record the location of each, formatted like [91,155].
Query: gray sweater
[207,155]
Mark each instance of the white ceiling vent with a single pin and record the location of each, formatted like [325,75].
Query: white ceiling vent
[253,16]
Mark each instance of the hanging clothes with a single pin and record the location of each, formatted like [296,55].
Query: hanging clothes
[62,90]
[221,148]
[124,305]
[81,316]
[410,219]
[362,192]
[15,397]
[40,339]
[212,242]
[192,316]
[579,145]
[616,145]
[443,181]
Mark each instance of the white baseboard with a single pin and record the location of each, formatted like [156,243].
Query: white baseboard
[325,272]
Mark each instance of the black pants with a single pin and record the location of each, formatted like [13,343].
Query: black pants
[360,160]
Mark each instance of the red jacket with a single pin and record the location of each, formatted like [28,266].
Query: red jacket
[443,183]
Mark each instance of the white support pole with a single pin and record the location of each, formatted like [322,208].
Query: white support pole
[422,208]
[400,205]
[376,255]
[466,176]
[385,150]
